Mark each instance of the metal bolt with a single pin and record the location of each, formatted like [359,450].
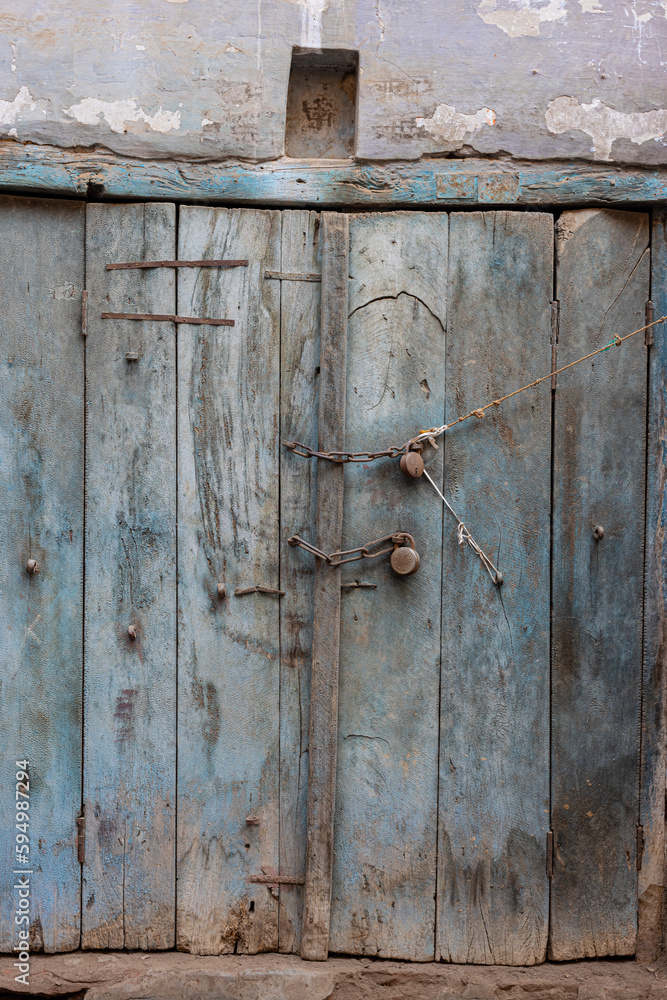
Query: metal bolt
[32,566]
[132,631]
[222,591]
[598,532]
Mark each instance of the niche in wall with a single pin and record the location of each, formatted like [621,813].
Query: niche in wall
[321,104]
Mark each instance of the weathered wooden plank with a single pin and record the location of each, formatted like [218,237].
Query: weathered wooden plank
[426,182]
[599,458]
[130,683]
[494,756]
[41,518]
[326,606]
[300,361]
[228,516]
[651,880]
[386,803]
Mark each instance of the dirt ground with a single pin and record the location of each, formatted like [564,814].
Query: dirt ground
[175,976]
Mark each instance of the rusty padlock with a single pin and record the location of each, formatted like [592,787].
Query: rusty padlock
[412,464]
[405,558]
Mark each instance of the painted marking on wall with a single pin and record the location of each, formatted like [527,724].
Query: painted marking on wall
[451,125]
[311,23]
[520,17]
[10,110]
[118,114]
[605,124]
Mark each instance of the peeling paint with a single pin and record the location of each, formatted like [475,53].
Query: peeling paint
[118,114]
[591,7]
[10,110]
[452,126]
[521,17]
[311,24]
[604,124]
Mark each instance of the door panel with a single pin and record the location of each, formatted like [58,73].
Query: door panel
[386,794]
[41,518]
[494,752]
[229,649]
[599,473]
[130,684]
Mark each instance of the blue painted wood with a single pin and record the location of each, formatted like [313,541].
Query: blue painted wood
[494,739]
[130,684]
[384,877]
[299,368]
[229,648]
[286,182]
[41,517]
[652,788]
[599,466]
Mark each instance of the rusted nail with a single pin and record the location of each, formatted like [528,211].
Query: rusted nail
[32,566]
[498,579]
[131,356]
[132,631]
[598,532]
[222,591]
[252,821]
[240,591]
[358,586]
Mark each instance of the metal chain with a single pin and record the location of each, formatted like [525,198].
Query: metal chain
[434,432]
[361,552]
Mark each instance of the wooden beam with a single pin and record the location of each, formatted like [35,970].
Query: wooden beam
[302,183]
[326,622]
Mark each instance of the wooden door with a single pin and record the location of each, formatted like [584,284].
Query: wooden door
[476,725]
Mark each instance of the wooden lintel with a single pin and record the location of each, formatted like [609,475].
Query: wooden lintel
[420,183]
[326,611]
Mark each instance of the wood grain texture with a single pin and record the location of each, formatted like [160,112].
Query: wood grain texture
[229,649]
[130,685]
[651,880]
[41,517]
[326,606]
[300,364]
[599,457]
[386,802]
[494,750]
[433,182]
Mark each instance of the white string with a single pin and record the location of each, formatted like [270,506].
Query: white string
[465,536]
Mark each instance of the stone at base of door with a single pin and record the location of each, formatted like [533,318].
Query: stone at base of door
[176,976]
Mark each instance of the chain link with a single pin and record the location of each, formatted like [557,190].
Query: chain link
[361,552]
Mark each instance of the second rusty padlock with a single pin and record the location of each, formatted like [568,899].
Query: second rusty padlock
[412,464]
[405,558]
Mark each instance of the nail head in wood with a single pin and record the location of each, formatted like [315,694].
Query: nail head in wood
[598,532]
[132,632]
[32,566]
[222,591]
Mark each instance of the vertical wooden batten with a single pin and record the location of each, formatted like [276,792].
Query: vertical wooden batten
[652,788]
[326,624]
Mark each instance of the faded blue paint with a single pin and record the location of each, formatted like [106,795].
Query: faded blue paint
[431,183]
[41,517]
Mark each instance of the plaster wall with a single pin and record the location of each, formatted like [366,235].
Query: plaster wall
[206,79]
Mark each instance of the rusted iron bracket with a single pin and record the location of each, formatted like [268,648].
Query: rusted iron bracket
[84,313]
[640,846]
[555,323]
[177,263]
[170,318]
[240,591]
[648,336]
[80,839]
[550,854]
[292,276]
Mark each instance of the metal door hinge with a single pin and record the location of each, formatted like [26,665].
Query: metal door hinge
[555,322]
[648,335]
[84,313]
[80,838]
[550,854]
[640,846]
